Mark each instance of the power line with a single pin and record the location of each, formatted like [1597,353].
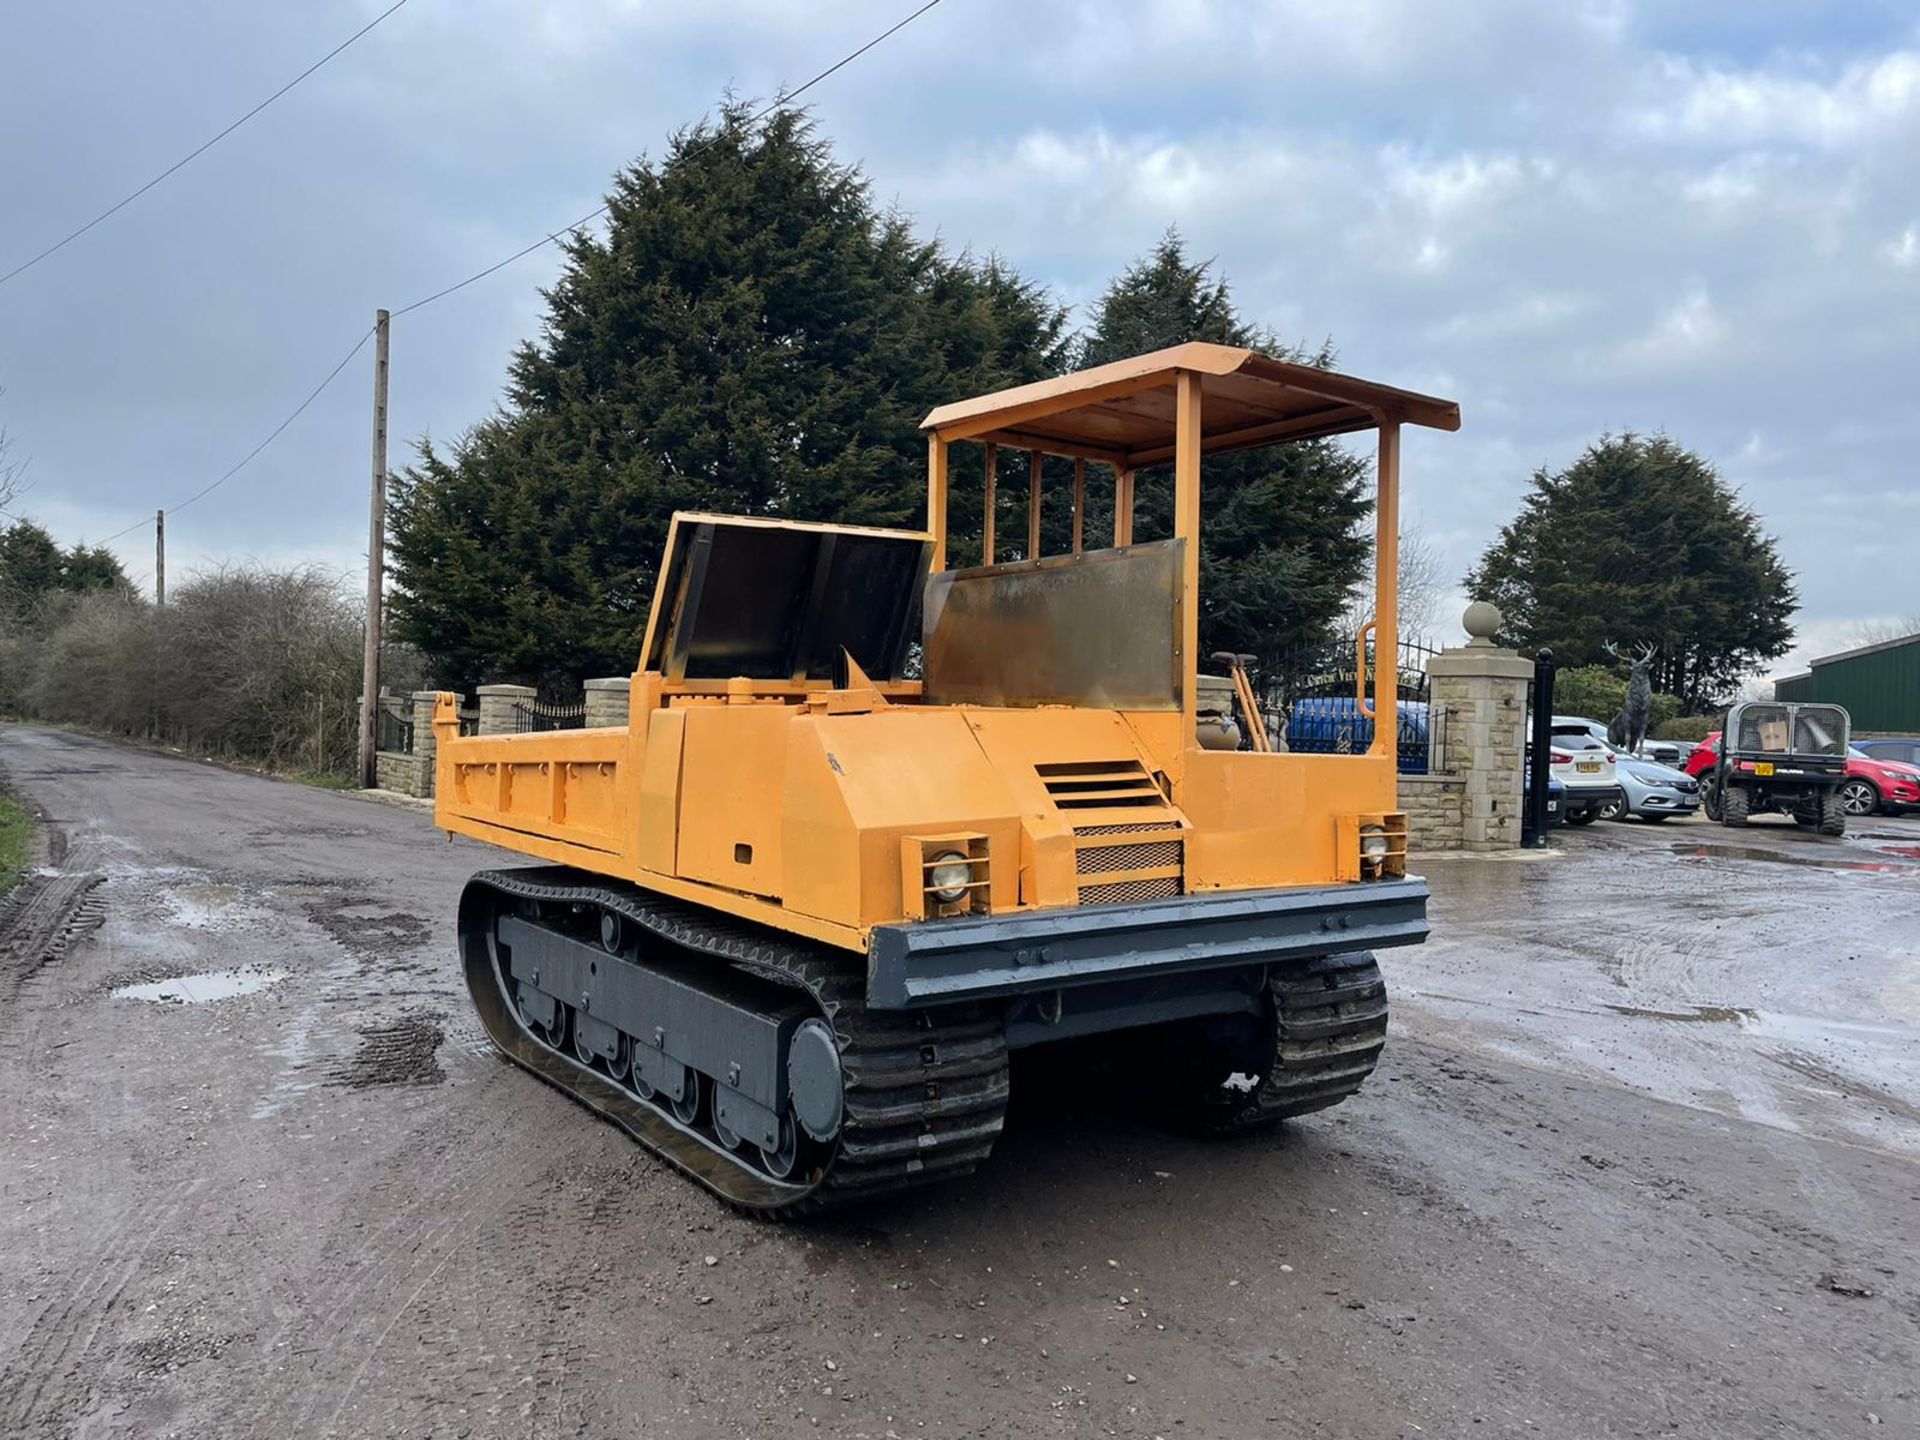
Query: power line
[248,459]
[787,98]
[195,154]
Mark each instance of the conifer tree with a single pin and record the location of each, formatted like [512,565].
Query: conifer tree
[1640,542]
[751,335]
[1282,534]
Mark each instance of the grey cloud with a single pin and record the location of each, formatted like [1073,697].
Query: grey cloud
[1572,218]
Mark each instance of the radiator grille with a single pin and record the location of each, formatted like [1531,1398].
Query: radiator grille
[1127,891]
[1147,845]
[1141,855]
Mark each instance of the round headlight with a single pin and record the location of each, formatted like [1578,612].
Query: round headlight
[948,876]
[1373,842]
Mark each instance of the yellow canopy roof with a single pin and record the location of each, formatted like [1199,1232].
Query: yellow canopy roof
[1123,413]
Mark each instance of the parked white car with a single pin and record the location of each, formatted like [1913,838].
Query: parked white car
[1584,763]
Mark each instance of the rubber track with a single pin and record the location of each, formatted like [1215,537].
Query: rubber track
[1330,1025]
[925,1091]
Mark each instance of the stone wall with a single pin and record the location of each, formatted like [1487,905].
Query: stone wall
[1483,692]
[399,771]
[496,707]
[1436,807]
[405,774]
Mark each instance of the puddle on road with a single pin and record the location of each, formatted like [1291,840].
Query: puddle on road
[202,988]
[1707,1014]
[1805,1030]
[1707,850]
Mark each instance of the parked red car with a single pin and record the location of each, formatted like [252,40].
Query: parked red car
[1870,784]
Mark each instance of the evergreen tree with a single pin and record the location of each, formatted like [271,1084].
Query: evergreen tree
[752,335]
[87,568]
[35,570]
[1282,539]
[1640,542]
[29,568]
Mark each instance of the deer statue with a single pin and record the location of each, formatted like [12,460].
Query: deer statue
[1628,729]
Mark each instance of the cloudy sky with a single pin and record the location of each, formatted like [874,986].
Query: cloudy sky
[1573,217]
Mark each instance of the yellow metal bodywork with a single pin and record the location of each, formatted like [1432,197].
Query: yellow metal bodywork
[794,815]
[813,805]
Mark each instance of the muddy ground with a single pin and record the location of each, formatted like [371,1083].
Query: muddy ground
[1643,1158]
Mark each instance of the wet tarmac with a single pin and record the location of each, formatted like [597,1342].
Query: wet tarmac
[1765,972]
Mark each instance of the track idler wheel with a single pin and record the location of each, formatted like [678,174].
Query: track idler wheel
[814,1080]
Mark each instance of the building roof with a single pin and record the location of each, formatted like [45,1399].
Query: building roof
[1857,651]
[1123,413]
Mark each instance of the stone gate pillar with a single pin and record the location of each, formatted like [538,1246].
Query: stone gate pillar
[1482,691]
[607,702]
[496,706]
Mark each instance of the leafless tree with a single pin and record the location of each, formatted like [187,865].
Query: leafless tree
[1422,588]
[1878,632]
[12,471]
[245,662]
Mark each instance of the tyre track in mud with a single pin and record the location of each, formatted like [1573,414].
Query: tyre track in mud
[43,1382]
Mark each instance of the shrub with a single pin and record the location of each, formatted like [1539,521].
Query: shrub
[244,662]
[1591,691]
[1686,727]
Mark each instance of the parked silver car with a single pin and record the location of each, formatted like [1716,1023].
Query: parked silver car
[1650,791]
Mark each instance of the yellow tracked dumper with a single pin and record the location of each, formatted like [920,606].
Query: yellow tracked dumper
[791,918]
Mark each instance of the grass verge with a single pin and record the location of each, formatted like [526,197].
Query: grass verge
[16,835]
[320,782]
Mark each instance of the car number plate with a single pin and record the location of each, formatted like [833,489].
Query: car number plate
[1765,767]
[1592,767]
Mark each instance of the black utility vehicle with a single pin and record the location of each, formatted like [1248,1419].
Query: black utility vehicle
[1779,756]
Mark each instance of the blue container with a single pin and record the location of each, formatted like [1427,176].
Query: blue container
[1334,725]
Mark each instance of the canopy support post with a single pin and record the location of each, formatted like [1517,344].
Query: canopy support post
[937,499]
[986,527]
[1186,527]
[1386,593]
[1079,501]
[1034,463]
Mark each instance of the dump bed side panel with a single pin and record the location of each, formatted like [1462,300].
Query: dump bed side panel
[563,785]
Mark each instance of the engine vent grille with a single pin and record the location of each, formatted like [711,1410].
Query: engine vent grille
[1101,785]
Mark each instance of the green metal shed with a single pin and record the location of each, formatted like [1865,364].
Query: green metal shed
[1879,685]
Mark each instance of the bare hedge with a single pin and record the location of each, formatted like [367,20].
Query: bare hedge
[244,662]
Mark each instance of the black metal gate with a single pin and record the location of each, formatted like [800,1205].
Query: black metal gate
[530,716]
[392,733]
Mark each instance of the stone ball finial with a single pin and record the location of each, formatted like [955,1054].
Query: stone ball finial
[1482,622]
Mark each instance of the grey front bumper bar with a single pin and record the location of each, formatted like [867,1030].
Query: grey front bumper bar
[940,962]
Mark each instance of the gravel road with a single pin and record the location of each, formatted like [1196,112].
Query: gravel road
[1643,1158]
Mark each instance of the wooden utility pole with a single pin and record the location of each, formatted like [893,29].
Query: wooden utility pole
[159,558]
[376,555]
